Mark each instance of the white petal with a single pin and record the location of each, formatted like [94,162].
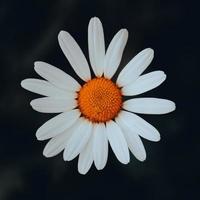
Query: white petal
[117,142]
[78,140]
[140,126]
[74,55]
[149,105]
[56,76]
[133,140]
[96,45]
[57,143]
[100,146]
[135,67]
[57,124]
[45,88]
[144,83]
[114,53]
[86,157]
[53,105]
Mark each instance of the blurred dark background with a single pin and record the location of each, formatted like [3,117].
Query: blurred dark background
[29,32]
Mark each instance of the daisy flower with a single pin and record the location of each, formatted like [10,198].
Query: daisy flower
[95,114]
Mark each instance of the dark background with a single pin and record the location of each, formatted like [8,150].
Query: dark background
[29,32]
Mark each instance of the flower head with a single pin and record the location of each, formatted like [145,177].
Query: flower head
[95,113]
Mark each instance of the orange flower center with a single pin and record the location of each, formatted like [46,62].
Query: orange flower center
[99,100]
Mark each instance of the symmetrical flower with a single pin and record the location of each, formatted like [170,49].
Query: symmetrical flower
[95,113]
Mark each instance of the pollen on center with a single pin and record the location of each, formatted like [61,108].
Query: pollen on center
[99,100]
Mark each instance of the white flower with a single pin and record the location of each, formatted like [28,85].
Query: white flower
[94,114]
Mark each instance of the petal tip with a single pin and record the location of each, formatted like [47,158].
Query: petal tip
[38,136]
[125,30]
[157,139]
[149,52]
[95,18]
[126,162]
[98,166]
[23,82]
[31,103]
[82,172]
[61,33]
[125,33]
[173,106]
[142,159]
[45,153]
[37,65]
[66,157]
